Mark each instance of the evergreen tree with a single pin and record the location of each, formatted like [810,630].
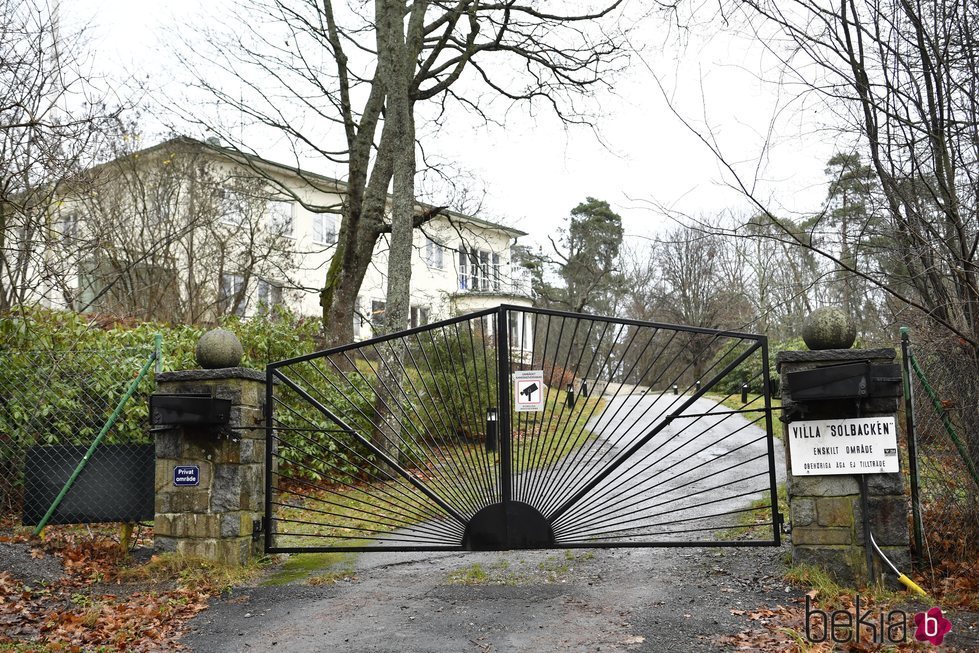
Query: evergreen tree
[586,258]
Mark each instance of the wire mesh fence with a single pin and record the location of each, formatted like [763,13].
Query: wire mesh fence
[944,422]
[54,405]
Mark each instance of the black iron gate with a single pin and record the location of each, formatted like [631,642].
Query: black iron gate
[523,428]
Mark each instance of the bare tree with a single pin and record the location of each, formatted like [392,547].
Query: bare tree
[346,85]
[181,235]
[899,78]
[52,120]
[683,279]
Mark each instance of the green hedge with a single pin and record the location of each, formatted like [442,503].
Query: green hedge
[62,373]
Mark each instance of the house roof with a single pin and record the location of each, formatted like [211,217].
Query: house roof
[233,153]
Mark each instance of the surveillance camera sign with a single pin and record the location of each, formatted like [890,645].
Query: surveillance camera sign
[528,391]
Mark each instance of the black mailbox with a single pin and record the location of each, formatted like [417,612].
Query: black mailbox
[886,380]
[859,380]
[200,409]
[844,381]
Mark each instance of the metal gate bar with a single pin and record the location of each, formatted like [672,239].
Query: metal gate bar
[388,444]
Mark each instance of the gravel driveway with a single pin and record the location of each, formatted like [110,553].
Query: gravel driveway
[574,600]
[608,600]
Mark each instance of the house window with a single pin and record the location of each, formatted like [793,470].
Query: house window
[324,229]
[232,287]
[147,290]
[377,315]
[68,226]
[269,294]
[419,316]
[479,270]
[281,217]
[433,254]
[464,270]
[232,208]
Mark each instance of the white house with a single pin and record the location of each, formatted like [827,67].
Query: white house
[210,231]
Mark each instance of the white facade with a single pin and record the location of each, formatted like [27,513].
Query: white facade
[460,263]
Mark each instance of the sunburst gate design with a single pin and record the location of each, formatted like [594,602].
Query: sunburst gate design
[411,441]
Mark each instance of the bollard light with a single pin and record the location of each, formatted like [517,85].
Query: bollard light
[584,388]
[570,400]
[676,389]
[491,428]
[744,393]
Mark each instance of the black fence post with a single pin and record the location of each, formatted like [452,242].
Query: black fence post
[912,443]
[503,406]
[491,434]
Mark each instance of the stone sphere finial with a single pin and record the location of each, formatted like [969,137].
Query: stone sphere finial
[218,348]
[829,328]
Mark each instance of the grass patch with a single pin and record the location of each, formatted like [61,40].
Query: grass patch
[757,522]
[829,592]
[199,573]
[816,579]
[343,516]
[332,578]
[474,574]
[304,566]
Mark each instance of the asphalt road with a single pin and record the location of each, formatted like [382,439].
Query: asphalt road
[690,477]
[612,600]
[650,599]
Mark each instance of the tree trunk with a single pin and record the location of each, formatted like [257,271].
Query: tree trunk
[343,280]
[396,70]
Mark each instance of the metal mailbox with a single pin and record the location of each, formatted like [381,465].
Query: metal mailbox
[858,380]
[188,409]
[844,381]
[886,380]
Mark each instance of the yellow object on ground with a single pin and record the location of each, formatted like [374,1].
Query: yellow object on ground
[907,582]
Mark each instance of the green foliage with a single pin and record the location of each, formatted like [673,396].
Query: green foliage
[750,371]
[63,373]
[435,387]
[461,374]
[333,456]
[586,258]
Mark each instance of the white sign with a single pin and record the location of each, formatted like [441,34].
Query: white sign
[865,445]
[528,391]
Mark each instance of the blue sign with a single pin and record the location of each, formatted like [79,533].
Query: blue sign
[186,475]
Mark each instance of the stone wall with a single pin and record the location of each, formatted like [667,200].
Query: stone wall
[219,519]
[825,511]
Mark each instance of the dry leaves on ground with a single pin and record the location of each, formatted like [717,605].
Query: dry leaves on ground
[93,604]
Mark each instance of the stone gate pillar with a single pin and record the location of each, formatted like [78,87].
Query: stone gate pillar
[825,510]
[210,480]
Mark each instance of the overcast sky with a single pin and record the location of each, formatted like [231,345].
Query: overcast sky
[534,172]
